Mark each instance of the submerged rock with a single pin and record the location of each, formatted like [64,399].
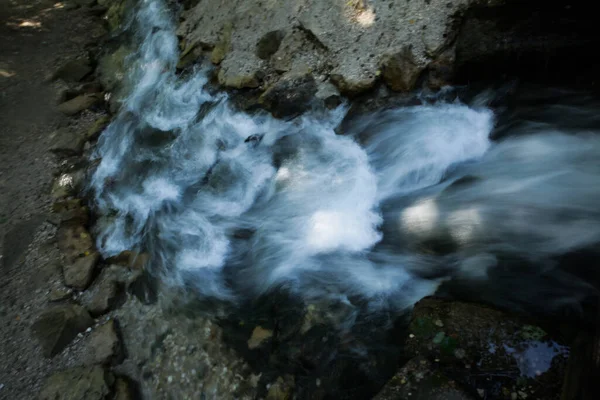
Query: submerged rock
[83,383]
[57,326]
[472,343]
[420,380]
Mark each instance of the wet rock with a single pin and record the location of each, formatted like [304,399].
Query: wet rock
[74,70]
[107,291]
[115,14]
[400,71]
[130,259]
[180,356]
[74,241]
[78,104]
[82,383]
[57,326]
[290,96]
[61,91]
[472,343]
[80,273]
[70,211]
[328,94]
[281,389]
[259,336]
[420,380]
[86,3]
[441,70]
[269,44]
[111,69]
[103,346]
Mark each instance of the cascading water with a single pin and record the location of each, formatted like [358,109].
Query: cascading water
[235,204]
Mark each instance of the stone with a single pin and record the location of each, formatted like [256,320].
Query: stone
[400,71]
[222,47]
[80,273]
[104,294]
[130,259]
[420,380]
[74,70]
[111,69]
[290,96]
[328,94]
[61,91]
[281,389]
[67,184]
[70,211]
[441,70]
[269,44]
[81,383]
[259,335]
[350,86]
[56,327]
[66,142]
[235,75]
[114,15]
[59,294]
[78,104]
[485,339]
[103,346]
[97,127]
[74,241]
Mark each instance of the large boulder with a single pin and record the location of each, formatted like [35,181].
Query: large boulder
[346,40]
[82,383]
[57,326]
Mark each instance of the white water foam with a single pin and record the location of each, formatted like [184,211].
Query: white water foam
[239,204]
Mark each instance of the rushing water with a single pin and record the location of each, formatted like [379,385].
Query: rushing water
[234,205]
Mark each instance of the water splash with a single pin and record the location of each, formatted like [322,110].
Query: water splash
[236,204]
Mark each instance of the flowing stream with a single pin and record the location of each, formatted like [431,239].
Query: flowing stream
[233,205]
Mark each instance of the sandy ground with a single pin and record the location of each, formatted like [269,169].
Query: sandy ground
[35,37]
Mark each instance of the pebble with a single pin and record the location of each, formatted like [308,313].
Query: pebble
[1,386]
[439,323]
[481,392]
[170,379]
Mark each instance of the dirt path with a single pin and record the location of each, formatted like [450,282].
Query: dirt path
[35,37]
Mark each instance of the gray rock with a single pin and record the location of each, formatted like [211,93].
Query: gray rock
[103,346]
[78,104]
[401,70]
[57,326]
[104,294]
[290,96]
[82,383]
[419,380]
[66,142]
[80,273]
[74,70]
[328,94]
[344,40]
[70,211]
[59,294]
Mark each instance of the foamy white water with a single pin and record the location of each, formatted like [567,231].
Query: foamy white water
[236,205]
